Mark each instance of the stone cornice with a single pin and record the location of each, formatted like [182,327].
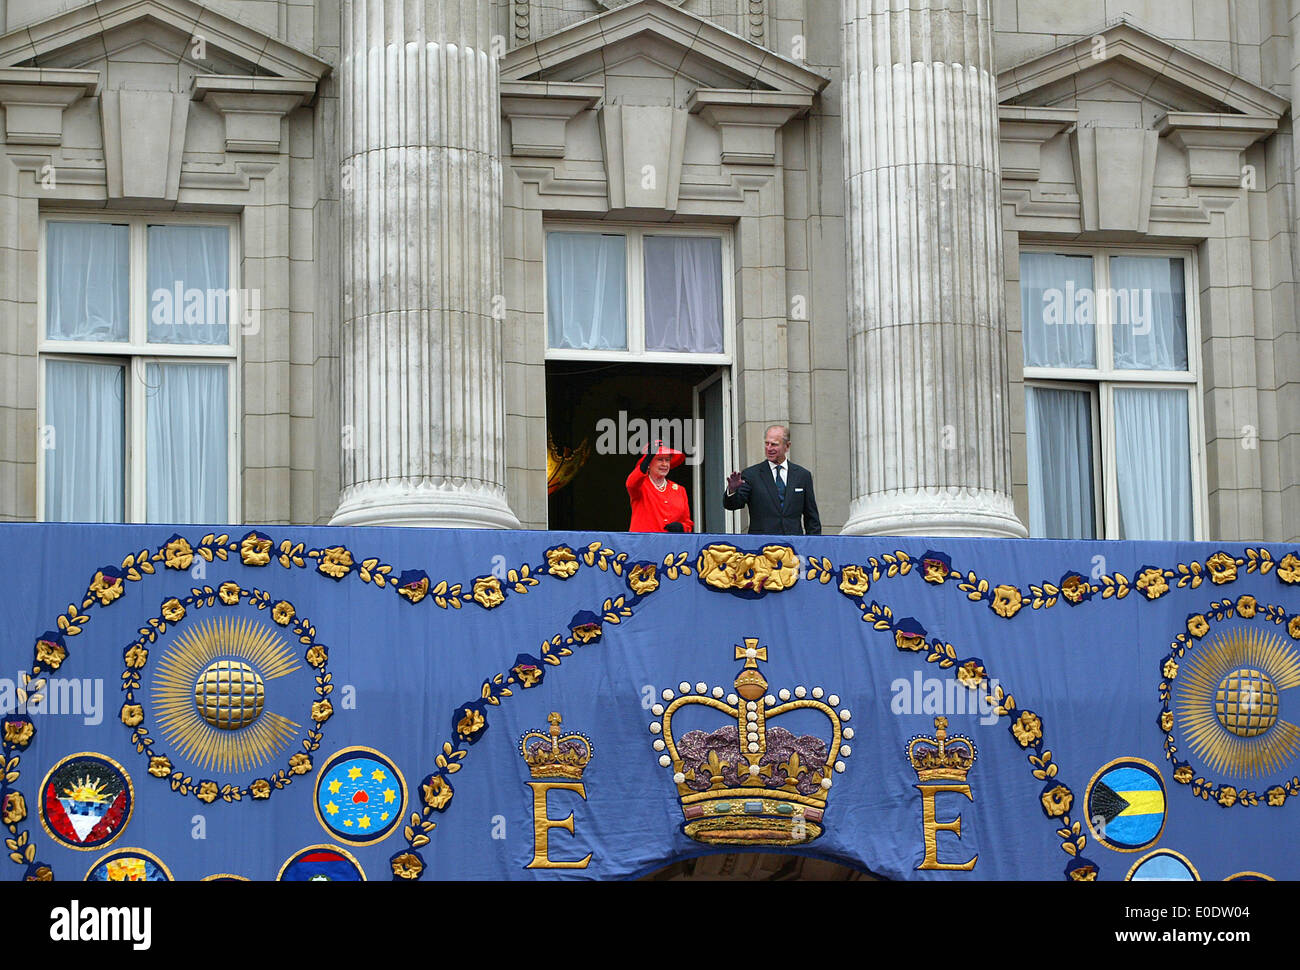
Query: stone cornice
[35,98]
[252,107]
[266,53]
[748,120]
[1124,41]
[1214,143]
[732,54]
[1022,132]
[539,111]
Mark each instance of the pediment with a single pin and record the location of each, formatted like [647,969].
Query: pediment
[161,31]
[1123,61]
[670,40]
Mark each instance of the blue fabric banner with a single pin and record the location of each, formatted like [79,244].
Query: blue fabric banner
[311,703]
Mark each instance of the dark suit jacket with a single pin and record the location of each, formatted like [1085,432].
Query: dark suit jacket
[767,516]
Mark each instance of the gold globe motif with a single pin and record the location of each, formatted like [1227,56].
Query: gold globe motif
[1246,702]
[230,695]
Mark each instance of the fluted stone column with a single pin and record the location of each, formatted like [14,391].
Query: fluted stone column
[930,446]
[423,413]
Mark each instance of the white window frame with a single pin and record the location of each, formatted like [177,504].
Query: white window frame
[136,353]
[1104,379]
[635,234]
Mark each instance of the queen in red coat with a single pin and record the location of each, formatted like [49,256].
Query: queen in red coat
[658,505]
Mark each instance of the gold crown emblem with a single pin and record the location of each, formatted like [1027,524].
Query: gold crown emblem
[751,782]
[554,756]
[941,758]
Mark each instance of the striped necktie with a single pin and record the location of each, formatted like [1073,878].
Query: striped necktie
[780,485]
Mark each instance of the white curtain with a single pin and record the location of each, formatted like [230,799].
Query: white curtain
[1153,464]
[586,291]
[83,442]
[1150,313]
[86,281]
[683,294]
[1058,314]
[1062,502]
[187,442]
[188,284]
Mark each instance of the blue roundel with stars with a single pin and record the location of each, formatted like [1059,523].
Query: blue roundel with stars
[360,796]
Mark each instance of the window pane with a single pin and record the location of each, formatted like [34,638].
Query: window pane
[86,281]
[188,284]
[1153,464]
[586,291]
[83,442]
[1058,312]
[187,443]
[1150,313]
[1062,503]
[683,294]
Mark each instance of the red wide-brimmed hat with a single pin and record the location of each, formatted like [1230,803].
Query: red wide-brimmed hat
[675,457]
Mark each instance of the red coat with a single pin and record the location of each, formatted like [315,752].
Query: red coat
[653,509]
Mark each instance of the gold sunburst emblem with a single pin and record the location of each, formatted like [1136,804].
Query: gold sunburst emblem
[1229,702]
[210,694]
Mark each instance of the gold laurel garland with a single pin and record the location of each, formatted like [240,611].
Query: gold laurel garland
[207,791]
[974,676]
[337,562]
[334,562]
[1225,795]
[1219,568]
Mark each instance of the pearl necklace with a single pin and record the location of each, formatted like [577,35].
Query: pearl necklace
[659,487]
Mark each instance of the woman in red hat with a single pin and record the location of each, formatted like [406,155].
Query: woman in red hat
[658,505]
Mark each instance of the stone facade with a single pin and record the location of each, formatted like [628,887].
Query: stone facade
[831,142]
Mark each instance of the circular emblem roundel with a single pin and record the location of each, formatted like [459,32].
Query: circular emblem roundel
[86,801]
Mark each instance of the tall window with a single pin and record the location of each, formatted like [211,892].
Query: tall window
[1111,392]
[137,361]
[638,337]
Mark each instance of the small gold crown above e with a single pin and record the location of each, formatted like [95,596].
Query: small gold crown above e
[941,758]
[552,755]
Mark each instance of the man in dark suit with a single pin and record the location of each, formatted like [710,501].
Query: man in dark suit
[778,492]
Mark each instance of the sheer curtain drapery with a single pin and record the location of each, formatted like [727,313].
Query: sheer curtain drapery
[1057,312]
[84,441]
[1149,313]
[87,282]
[683,294]
[187,442]
[1153,463]
[188,284]
[586,291]
[1062,501]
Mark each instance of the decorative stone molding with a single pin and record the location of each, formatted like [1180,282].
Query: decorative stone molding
[1154,56]
[522,14]
[265,55]
[539,112]
[754,14]
[34,100]
[644,146]
[1022,132]
[575,53]
[1114,169]
[140,129]
[252,107]
[748,120]
[1214,143]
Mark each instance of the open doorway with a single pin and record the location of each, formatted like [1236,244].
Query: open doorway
[599,419]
